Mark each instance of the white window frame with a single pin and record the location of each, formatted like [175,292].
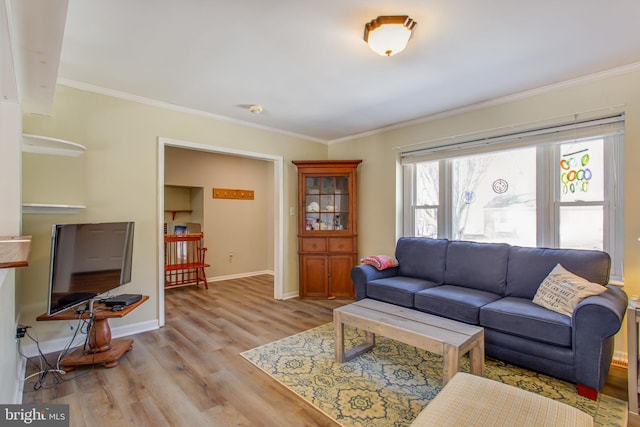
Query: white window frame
[548,197]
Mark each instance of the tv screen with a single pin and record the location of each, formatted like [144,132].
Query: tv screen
[88,260]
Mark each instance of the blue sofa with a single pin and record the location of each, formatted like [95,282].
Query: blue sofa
[492,285]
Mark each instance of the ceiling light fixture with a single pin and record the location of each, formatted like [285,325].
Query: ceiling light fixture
[388,35]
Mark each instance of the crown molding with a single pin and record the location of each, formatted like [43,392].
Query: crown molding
[426,119]
[499,101]
[179,108]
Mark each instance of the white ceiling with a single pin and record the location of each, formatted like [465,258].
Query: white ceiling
[305,61]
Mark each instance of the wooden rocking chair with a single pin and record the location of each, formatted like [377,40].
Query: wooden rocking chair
[184,260]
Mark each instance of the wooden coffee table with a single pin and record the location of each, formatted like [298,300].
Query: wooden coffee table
[445,337]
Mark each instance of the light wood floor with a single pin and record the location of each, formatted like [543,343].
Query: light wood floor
[190,373]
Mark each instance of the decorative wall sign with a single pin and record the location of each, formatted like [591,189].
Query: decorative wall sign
[226,193]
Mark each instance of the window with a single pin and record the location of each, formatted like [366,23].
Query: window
[554,192]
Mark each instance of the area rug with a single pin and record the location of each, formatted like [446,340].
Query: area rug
[390,384]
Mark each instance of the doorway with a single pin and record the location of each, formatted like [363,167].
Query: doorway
[277,203]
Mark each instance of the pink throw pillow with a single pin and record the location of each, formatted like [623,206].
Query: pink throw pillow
[380,262]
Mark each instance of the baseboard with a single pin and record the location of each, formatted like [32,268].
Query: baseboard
[58,344]
[286,296]
[620,359]
[291,295]
[239,276]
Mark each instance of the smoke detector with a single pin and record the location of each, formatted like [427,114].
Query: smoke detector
[255,108]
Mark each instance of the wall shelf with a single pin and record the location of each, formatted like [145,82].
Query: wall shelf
[15,251]
[47,145]
[47,208]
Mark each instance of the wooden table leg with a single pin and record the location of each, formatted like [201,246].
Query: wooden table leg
[99,336]
[341,354]
[451,359]
[476,358]
[338,328]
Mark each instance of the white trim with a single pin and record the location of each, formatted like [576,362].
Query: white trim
[58,344]
[47,145]
[4,272]
[20,374]
[160,231]
[179,108]
[435,116]
[571,122]
[290,295]
[278,240]
[620,358]
[278,229]
[498,101]
[46,208]
[239,276]
[8,56]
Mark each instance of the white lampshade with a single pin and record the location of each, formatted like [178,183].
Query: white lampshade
[388,35]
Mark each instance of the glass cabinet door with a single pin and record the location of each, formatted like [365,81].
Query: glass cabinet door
[326,203]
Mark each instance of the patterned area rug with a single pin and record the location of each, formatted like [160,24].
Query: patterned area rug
[390,384]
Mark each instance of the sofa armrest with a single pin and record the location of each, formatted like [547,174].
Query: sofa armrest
[595,321]
[363,274]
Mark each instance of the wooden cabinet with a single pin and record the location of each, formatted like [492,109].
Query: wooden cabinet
[327,229]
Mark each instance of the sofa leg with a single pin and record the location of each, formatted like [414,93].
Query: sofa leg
[588,392]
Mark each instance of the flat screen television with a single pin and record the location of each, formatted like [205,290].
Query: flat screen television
[88,260]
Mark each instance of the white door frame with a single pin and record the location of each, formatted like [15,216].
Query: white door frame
[278,229]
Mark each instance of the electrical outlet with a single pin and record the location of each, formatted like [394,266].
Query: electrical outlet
[21,331]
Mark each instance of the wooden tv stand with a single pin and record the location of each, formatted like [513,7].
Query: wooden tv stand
[100,349]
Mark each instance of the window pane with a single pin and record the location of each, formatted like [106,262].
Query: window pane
[494,197]
[427,223]
[581,227]
[327,185]
[582,171]
[342,185]
[312,185]
[427,184]
[327,203]
[342,203]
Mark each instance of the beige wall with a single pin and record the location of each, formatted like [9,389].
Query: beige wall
[243,227]
[179,198]
[380,179]
[120,182]
[120,178]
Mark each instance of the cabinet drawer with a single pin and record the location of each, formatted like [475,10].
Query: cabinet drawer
[314,245]
[341,244]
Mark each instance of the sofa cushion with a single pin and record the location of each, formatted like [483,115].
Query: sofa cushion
[454,302]
[528,267]
[521,317]
[422,258]
[481,266]
[397,290]
[561,291]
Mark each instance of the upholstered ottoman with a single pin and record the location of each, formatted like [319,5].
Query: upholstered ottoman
[469,400]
